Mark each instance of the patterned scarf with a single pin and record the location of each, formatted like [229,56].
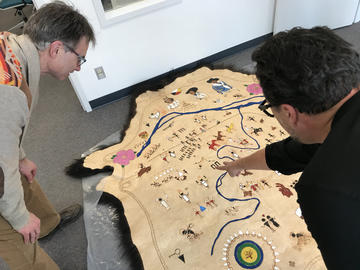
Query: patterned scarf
[10,68]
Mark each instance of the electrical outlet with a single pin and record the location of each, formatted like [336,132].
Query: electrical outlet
[100,73]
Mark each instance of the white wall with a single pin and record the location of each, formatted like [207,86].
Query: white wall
[152,44]
[357,16]
[309,13]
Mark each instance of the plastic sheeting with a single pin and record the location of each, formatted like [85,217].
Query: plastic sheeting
[109,247]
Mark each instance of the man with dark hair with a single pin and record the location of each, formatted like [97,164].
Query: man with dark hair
[55,42]
[310,79]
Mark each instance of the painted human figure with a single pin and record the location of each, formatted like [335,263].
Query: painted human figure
[267,224]
[273,221]
[164,203]
[203,181]
[184,196]
[211,202]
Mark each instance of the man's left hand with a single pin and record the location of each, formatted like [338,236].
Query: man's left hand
[28,169]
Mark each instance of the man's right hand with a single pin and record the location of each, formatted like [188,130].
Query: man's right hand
[232,168]
[31,230]
[255,161]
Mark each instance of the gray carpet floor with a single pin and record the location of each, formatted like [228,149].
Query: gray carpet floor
[60,131]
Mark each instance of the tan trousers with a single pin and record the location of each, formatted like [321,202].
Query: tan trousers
[13,250]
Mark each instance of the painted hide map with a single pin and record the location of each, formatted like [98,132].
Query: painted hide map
[182,211]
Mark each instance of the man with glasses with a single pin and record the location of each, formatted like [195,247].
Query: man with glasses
[81,59]
[310,79]
[55,42]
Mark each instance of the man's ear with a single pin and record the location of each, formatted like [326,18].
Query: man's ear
[290,113]
[54,48]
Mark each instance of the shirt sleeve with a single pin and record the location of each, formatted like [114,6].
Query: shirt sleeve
[289,156]
[13,117]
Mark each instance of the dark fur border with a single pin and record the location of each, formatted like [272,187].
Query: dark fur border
[132,255]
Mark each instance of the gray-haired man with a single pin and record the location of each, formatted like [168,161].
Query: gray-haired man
[55,42]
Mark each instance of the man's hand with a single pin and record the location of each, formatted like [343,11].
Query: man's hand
[31,230]
[255,161]
[233,168]
[28,169]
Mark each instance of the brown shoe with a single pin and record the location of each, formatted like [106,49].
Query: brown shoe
[67,216]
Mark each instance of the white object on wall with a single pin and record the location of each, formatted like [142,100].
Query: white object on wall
[309,13]
[130,11]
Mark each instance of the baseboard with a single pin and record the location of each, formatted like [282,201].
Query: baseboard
[202,62]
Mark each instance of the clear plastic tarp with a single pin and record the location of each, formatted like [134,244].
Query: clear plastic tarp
[105,249]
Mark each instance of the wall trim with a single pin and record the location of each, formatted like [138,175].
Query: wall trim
[202,62]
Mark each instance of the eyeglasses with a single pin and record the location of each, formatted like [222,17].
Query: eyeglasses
[81,59]
[263,107]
